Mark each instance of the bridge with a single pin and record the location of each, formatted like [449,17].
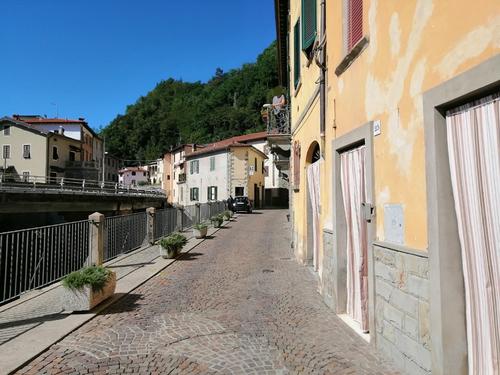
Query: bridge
[32,194]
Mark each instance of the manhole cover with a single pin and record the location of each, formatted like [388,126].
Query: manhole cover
[267,271]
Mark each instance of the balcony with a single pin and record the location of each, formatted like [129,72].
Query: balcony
[277,120]
[83,164]
[278,134]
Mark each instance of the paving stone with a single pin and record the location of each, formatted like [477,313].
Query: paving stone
[217,311]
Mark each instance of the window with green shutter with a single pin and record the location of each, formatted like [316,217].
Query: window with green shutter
[308,24]
[296,53]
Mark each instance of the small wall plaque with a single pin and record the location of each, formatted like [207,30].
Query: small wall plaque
[377,128]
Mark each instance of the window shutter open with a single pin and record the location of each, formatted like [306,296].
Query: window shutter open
[355,23]
[308,24]
[215,193]
[296,53]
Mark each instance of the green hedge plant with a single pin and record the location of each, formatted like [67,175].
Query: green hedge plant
[95,277]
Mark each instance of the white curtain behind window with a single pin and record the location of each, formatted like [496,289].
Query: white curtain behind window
[473,147]
[313,183]
[353,181]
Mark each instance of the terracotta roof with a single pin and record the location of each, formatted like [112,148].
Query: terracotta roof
[42,120]
[221,146]
[241,139]
[132,169]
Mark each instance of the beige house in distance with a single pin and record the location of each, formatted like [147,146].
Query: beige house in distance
[31,152]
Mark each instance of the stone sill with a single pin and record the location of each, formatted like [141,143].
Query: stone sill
[351,56]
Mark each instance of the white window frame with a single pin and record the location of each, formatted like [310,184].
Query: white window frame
[3,151]
[24,177]
[29,145]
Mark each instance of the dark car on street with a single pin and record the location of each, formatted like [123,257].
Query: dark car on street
[242,204]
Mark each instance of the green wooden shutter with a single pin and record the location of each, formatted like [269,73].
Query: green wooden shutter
[308,23]
[191,167]
[215,193]
[296,53]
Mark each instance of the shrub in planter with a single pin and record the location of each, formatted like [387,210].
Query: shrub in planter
[200,230]
[170,246]
[86,288]
[227,214]
[217,221]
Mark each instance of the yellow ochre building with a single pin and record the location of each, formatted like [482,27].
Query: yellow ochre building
[394,171]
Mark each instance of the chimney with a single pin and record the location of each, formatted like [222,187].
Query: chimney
[81,118]
[193,147]
[61,130]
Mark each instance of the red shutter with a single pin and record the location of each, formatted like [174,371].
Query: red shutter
[355,23]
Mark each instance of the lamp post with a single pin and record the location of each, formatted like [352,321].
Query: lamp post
[104,160]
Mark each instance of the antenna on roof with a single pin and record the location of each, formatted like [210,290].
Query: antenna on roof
[57,109]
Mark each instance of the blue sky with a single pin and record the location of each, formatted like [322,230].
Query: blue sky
[91,58]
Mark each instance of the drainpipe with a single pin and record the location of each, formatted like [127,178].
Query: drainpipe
[320,59]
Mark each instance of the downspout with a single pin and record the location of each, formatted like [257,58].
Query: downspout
[320,59]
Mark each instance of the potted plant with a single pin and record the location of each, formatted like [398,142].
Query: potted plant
[200,230]
[86,288]
[171,245]
[217,220]
[227,215]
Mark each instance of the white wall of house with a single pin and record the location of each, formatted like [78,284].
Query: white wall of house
[271,180]
[207,177]
[132,176]
[70,130]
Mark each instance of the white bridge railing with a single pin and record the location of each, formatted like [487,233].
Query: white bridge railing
[17,182]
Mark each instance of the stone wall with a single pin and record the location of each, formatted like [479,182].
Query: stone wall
[402,308]
[327,280]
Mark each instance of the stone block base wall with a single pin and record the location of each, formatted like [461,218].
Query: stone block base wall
[327,279]
[402,308]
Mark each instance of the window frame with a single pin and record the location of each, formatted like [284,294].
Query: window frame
[212,163]
[56,153]
[308,43]
[6,147]
[296,54]
[194,191]
[29,151]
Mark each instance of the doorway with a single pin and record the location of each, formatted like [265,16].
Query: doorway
[353,184]
[354,227]
[313,197]
[256,192]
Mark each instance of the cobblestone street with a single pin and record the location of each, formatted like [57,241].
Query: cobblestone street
[238,303]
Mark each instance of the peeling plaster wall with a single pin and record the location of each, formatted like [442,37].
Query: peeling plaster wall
[413,46]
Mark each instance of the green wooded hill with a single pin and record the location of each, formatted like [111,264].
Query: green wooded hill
[177,112]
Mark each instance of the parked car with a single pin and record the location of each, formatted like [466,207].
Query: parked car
[242,204]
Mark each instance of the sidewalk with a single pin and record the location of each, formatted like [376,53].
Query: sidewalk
[33,323]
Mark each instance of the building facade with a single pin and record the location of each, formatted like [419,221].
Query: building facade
[91,145]
[376,174]
[133,176]
[33,155]
[221,170]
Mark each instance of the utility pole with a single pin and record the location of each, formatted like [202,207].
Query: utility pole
[103,159]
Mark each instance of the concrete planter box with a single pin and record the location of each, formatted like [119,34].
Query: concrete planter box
[86,299]
[168,253]
[200,233]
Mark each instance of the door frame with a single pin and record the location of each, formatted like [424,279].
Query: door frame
[447,301]
[362,135]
